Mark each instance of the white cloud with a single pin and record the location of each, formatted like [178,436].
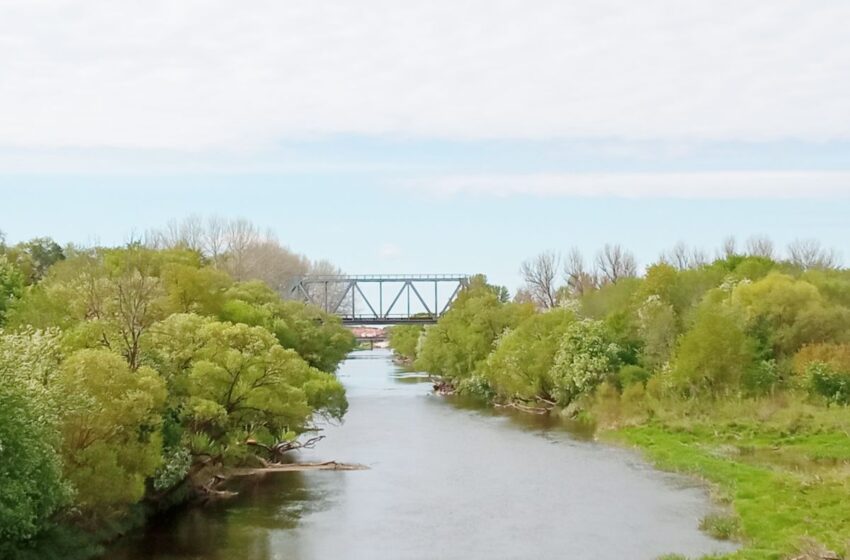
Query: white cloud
[215,74]
[700,185]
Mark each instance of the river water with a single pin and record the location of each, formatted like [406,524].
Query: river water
[444,482]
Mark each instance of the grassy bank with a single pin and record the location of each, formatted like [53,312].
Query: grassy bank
[780,465]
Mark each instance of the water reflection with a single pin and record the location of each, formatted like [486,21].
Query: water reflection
[446,480]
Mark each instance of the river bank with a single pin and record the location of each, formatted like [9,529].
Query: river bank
[445,479]
[779,465]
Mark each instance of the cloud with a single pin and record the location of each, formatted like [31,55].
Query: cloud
[699,185]
[216,75]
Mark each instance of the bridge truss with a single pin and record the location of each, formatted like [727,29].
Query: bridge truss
[360,300]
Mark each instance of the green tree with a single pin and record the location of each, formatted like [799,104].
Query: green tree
[464,335]
[714,354]
[404,340]
[231,382]
[31,485]
[784,313]
[11,286]
[36,256]
[110,422]
[318,337]
[583,360]
[520,365]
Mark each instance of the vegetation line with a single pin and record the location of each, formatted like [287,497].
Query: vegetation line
[138,377]
[735,370]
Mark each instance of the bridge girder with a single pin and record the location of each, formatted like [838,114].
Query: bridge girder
[338,294]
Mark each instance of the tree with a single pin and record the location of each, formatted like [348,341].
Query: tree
[110,428]
[231,383]
[583,360]
[31,485]
[11,286]
[760,246]
[657,327]
[318,337]
[35,257]
[465,334]
[519,366]
[683,258]
[784,314]
[728,248]
[808,253]
[579,280]
[540,275]
[714,354]
[404,340]
[615,263]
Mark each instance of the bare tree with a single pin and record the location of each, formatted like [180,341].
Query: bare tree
[808,254]
[681,257]
[615,263]
[760,246]
[241,235]
[272,263]
[728,247]
[215,238]
[540,275]
[579,279]
[192,233]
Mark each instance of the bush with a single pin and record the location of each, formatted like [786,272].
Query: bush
[762,378]
[828,383]
[630,375]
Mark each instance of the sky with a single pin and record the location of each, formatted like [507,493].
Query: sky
[440,136]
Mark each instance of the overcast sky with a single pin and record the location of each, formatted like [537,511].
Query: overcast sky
[433,136]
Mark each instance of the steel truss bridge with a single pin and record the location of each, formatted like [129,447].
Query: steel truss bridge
[363,299]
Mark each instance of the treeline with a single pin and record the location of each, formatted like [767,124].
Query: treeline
[130,376]
[744,324]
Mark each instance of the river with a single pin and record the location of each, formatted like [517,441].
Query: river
[444,482]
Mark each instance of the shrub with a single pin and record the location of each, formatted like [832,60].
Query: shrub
[631,375]
[837,356]
[828,383]
[762,378]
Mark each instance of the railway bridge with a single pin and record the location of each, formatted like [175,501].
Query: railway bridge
[382,299]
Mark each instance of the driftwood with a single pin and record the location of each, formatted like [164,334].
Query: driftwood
[300,467]
[277,450]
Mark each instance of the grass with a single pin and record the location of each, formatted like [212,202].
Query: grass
[782,467]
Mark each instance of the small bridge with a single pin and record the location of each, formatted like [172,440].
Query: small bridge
[360,300]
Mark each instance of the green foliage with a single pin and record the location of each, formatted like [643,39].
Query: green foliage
[135,377]
[658,328]
[465,335]
[632,375]
[35,257]
[228,381]
[475,387]
[318,337]
[404,340]
[829,383]
[785,313]
[583,361]
[11,286]
[519,366]
[109,423]
[713,356]
[31,485]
